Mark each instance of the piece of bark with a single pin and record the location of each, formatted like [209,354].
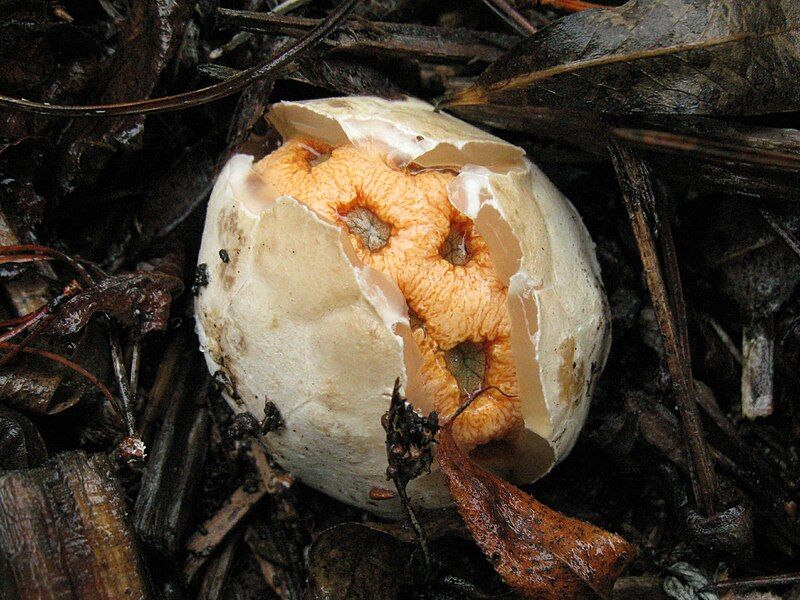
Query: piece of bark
[170,370]
[269,561]
[758,365]
[174,469]
[204,541]
[216,574]
[64,533]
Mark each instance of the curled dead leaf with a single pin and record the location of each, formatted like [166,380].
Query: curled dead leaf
[699,57]
[539,552]
[21,445]
[339,566]
[140,299]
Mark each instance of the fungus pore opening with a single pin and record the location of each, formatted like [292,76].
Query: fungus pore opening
[371,230]
[467,363]
[454,247]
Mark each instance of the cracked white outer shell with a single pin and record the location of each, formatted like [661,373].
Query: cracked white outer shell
[294,317]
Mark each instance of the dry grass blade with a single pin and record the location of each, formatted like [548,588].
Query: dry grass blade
[566,5]
[120,374]
[786,235]
[196,97]
[511,17]
[369,38]
[17,250]
[754,582]
[708,149]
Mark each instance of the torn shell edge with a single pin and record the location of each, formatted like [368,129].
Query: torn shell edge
[558,277]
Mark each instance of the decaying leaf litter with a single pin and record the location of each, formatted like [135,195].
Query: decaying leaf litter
[677,117]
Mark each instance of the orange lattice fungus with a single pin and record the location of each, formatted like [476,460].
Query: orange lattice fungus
[384,240]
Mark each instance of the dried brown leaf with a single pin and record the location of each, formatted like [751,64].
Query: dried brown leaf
[539,552]
[148,37]
[346,76]
[37,385]
[357,562]
[44,57]
[139,299]
[21,445]
[701,57]
[436,524]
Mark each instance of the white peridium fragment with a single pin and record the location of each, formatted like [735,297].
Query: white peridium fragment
[385,240]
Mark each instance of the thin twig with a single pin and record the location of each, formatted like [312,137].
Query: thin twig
[419,532]
[672,278]
[242,37]
[511,17]
[24,249]
[37,317]
[471,397]
[569,5]
[27,321]
[422,42]
[136,354]
[409,437]
[16,321]
[752,582]
[786,235]
[33,335]
[289,5]
[637,192]
[726,340]
[196,97]
[239,38]
[120,374]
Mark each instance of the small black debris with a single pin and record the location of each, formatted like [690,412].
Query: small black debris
[244,424]
[200,278]
[272,418]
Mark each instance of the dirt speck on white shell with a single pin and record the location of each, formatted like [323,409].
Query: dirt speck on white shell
[294,316]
